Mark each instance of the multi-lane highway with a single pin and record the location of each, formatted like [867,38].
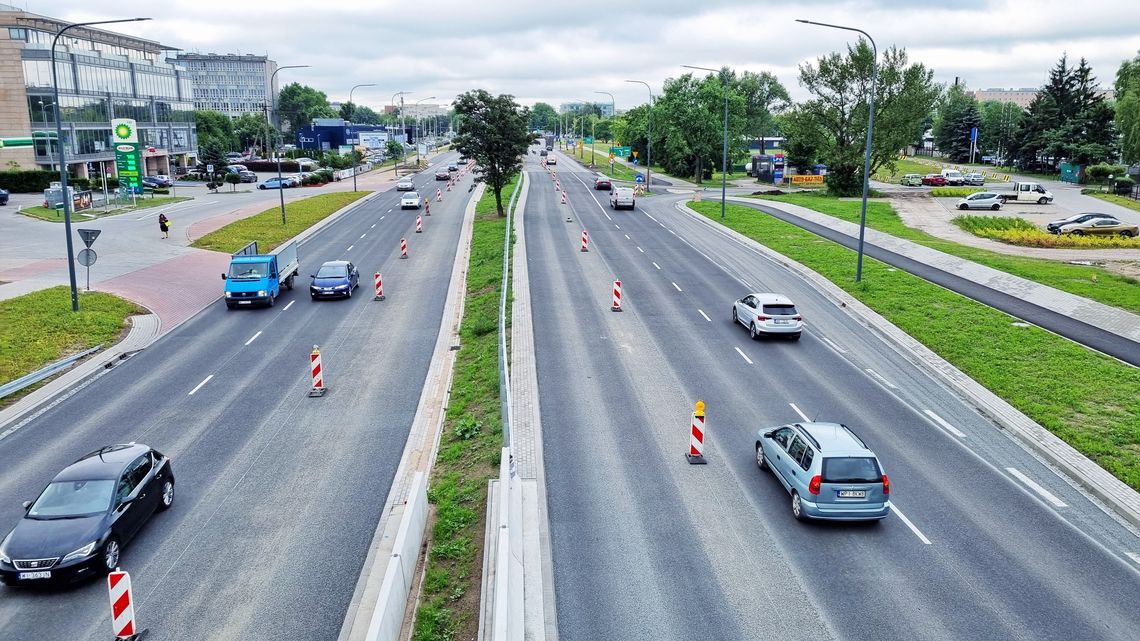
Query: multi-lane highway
[985,541]
[278,494]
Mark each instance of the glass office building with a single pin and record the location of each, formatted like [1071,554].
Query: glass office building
[233,84]
[101,75]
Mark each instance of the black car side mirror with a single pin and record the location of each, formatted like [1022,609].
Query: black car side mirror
[27,505]
[769,434]
[223,277]
[312,275]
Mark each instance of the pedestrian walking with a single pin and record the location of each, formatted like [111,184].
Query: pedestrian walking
[164,225]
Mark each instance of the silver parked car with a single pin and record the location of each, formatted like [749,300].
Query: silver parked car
[765,313]
[975,179]
[982,200]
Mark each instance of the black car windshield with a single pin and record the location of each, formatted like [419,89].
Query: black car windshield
[332,271]
[241,271]
[73,498]
[843,469]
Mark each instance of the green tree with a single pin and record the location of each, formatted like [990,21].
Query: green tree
[233,180]
[250,130]
[298,105]
[1067,119]
[605,129]
[394,149]
[216,127]
[804,139]
[764,99]
[543,116]
[692,123]
[347,111]
[999,122]
[950,108]
[365,116]
[494,130]
[840,85]
[211,152]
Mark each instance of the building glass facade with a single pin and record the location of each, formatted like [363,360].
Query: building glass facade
[229,83]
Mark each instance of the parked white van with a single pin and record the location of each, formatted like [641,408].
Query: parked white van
[953,177]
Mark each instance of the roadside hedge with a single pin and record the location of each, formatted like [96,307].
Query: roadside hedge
[27,181]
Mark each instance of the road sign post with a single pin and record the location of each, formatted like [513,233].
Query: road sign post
[87,257]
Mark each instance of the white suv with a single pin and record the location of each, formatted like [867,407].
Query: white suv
[768,314]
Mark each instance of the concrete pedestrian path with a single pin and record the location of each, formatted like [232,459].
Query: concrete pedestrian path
[1112,319]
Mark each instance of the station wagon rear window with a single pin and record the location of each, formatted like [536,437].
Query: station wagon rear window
[780,310]
[844,469]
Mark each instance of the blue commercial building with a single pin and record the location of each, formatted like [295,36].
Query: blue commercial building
[328,134]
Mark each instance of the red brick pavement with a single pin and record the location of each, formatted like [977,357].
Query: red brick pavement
[175,289]
[33,269]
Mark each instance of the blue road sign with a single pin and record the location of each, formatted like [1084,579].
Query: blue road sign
[640,179]
[974,133]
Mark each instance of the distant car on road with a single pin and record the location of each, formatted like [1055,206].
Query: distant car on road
[275,183]
[78,525]
[982,200]
[150,182]
[410,200]
[1101,227]
[603,183]
[443,175]
[934,180]
[911,180]
[3,196]
[975,179]
[827,469]
[405,184]
[542,152]
[766,314]
[551,160]
[335,278]
[1055,226]
[453,167]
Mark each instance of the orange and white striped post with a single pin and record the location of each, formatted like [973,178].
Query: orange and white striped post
[419,224]
[318,388]
[427,207]
[616,307]
[696,453]
[122,604]
[379,288]
[585,241]
[438,196]
[403,248]
[563,198]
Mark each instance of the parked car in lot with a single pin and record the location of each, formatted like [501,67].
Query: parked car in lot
[975,179]
[953,177]
[551,160]
[911,180]
[827,469]
[768,314]
[78,525]
[603,183]
[1101,227]
[443,175]
[405,184]
[163,180]
[294,180]
[1029,192]
[150,182]
[934,180]
[622,198]
[982,200]
[1055,226]
[247,176]
[410,200]
[3,196]
[335,278]
[275,183]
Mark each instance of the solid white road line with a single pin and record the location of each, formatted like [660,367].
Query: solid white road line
[641,250]
[199,385]
[288,306]
[1045,494]
[678,288]
[800,412]
[917,532]
[946,426]
[743,355]
[350,248]
[607,215]
[650,215]
[833,345]
[705,315]
[657,266]
[882,380]
[253,338]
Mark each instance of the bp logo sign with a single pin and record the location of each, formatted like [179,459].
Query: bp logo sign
[123,131]
[128,156]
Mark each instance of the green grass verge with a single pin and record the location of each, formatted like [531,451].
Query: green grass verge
[470,446]
[1018,231]
[266,227]
[39,328]
[144,202]
[1056,382]
[1123,201]
[1092,282]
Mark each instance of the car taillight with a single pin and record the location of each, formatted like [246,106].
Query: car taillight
[797,317]
[813,486]
[761,318]
[886,485]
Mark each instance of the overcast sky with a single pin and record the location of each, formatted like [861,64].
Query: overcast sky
[565,51]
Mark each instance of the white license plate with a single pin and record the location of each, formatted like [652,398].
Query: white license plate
[45,574]
[780,321]
[243,302]
[852,494]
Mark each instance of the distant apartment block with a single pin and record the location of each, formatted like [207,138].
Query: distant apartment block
[233,84]
[1020,97]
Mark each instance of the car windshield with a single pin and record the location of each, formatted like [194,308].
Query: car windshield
[411,195]
[332,271]
[64,499]
[780,309]
[248,271]
[842,469]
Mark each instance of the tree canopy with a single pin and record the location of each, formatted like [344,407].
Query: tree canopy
[298,105]
[494,130]
[1128,109]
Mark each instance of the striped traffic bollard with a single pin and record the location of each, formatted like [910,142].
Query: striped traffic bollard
[449,185]
[419,224]
[563,198]
[318,388]
[379,288]
[438,196]
[427,207]
[557,185]
[403,248]
[122,605]
[696,453]
[585,241]
[617,297]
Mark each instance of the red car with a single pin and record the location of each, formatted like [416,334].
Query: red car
[934,180]
[603,183]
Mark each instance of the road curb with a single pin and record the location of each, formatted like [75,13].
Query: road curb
[1118,496]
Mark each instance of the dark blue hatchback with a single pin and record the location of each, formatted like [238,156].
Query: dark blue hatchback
[335,279]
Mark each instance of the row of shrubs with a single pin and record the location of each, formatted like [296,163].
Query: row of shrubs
[1021,232]
[954,192]
[27,181]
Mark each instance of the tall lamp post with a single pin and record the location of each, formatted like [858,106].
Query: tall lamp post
[870,129]
[613,112]
[355,163]
[62,156]
[724,152]
[649,146]
[418,137]
[401,94]
[47,141]
[273,109]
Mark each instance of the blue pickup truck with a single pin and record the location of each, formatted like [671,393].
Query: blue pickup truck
[256,279]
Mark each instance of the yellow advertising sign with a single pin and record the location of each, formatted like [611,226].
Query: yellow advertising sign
[807,179]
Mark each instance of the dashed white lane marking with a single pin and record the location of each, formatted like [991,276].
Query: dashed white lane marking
[641,250]
[650,216]
[678,288]
[350,248]
[1031,484]
[917,532]
[372,227]
[833,345]
[946,426]
[705,315]
[364,234]
[288,306]
[657,266]
[199,385]
[800,412]
[879,378]
[253,338]
[382,218]
[627,237]
[743,355]
[617,225]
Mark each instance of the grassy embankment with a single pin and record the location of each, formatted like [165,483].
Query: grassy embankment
[470,446]
[266,228]
[143,202]
[1054,381]
[1123,201]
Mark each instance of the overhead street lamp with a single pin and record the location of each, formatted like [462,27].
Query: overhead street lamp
[401,94]
[870,129]
[419,137]
[582,127]
[273,108]
[62,157]
[355,163]
[613,112]
[47,140]
[724,152]
[649,146]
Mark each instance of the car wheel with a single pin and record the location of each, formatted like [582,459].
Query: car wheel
[752,330]
[995,206]
[349,294]
[110,554]
[761,459]
[797,509]
[1126,234]
[735,318]
[1078,232]
[963,206]
[272,301]
[167,495]
[796,336]
[1042,200]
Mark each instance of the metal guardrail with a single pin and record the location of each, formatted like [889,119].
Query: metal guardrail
[40,374]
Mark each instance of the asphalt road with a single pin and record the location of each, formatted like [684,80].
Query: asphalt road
[645,546]
[278,494]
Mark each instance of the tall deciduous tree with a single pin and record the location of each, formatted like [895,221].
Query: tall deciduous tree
[764,99]
[693,127]
[494,130]
[299,104]
[215,127]
[841,85]
[543,116]
[249,129]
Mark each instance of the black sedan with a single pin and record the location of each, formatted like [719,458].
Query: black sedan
[335,278]
[1055,226]
[3,196]
[79,524]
